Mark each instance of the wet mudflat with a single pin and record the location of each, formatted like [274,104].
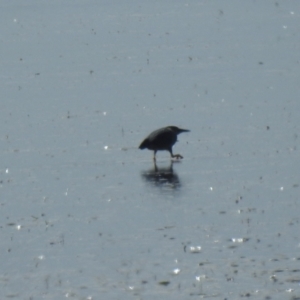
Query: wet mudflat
[85,214]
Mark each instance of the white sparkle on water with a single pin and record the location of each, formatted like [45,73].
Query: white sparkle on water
[195,249]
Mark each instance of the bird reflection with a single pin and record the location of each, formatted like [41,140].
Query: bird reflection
[163,177]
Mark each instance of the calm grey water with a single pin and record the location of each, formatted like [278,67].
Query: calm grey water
[85,214]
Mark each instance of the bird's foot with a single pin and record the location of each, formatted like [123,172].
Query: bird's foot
[177,156]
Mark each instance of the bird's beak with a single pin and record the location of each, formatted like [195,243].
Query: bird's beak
[183,130]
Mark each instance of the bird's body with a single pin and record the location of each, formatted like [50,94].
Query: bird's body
[162,139]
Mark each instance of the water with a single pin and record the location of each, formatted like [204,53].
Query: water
[85,214]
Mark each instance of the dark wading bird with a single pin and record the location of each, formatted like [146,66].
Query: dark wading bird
[162,139]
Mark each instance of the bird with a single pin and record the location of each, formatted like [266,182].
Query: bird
[162,139]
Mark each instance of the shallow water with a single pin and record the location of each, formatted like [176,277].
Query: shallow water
[85,214]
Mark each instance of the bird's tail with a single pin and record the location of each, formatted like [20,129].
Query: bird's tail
[144,144]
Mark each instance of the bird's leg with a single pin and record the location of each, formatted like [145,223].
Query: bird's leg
[175,155]
[154,156]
